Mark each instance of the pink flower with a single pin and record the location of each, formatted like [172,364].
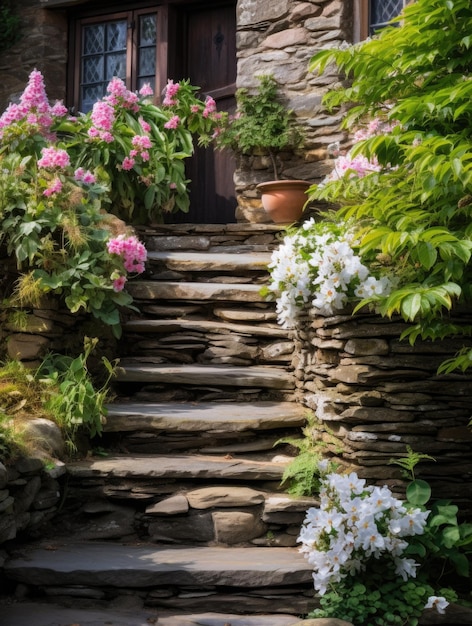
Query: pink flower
[59,110]
[128,163]
[146,90]
[172,186]
[141,142]
[173,123]
[88,178]
[210,106]
[194,108]
[54,158]
[170,93]
[103,115]
[119,283]
[145,125]
[54,187]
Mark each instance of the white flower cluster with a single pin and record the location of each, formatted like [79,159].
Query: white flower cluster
[318,264]
[354,523]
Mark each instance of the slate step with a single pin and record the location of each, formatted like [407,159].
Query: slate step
[183,261]
[20,614]
[225,375]
[204,417]
[242,580]
[182,467]
[161,326]
[230,292]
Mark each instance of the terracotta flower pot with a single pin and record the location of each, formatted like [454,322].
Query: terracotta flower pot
[283,200]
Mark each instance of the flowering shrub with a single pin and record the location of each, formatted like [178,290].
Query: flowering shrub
[360,541]
[61,176]
[317,265]
[139,149]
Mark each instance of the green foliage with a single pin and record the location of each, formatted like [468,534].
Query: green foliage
[75,402]
[10,27]
[262,122]
[414,215]
[381,600]
[301,477]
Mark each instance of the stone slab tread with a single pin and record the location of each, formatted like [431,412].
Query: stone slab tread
[168,290]
[20,614]
[215,468]
[203,417]
[145,565]
[211,261]
[207,326]
[225,375]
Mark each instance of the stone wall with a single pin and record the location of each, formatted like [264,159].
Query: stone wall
[42,46]
[280,37]
[29,496]
[374,395]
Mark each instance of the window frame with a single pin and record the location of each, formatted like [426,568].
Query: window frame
[131,15]
[362,19]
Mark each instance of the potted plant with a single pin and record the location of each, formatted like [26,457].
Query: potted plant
[262,123]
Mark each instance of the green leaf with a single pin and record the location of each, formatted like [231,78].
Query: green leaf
[418,492]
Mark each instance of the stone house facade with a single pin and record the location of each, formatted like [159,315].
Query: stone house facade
[271,36]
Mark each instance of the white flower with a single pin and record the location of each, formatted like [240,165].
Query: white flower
[437,602]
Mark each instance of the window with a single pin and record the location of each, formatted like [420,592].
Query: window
[123,45]
[372,15]
[381,12]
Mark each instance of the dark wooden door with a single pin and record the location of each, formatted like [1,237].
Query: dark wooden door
[210,63]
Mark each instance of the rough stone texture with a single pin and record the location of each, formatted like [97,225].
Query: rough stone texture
[29,498]
[280,38]
[374,396]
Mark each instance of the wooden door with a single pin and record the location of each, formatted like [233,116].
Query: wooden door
[209,61]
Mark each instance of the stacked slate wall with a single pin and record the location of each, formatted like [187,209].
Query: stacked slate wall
[373,395]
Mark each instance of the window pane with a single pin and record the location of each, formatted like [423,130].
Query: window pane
[382,11]
[147,40]
[103,57]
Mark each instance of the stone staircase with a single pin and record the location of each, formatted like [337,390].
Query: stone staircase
[179,516]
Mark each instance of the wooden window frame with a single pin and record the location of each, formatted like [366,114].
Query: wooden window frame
[129,13]
[361,19]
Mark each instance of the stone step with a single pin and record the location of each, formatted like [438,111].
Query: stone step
[242,580]
[182,467]
[225,375]
[184,261]
[204,417]
[229,292]
[202,326]
[20,614]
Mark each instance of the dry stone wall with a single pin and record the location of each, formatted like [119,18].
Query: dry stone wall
[374,395]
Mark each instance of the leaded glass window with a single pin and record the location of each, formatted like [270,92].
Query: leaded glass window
[381,12]
[123,46]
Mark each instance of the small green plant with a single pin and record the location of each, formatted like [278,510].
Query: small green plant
[302,476]
[262,122]
[75,401]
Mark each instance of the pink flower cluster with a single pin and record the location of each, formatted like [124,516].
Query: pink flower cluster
[173,123]
[53,188]
[54,158]
[121,96]
[103,118]
[33,107]
[134,256]
[170,93]
[84,176]
[210,107]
